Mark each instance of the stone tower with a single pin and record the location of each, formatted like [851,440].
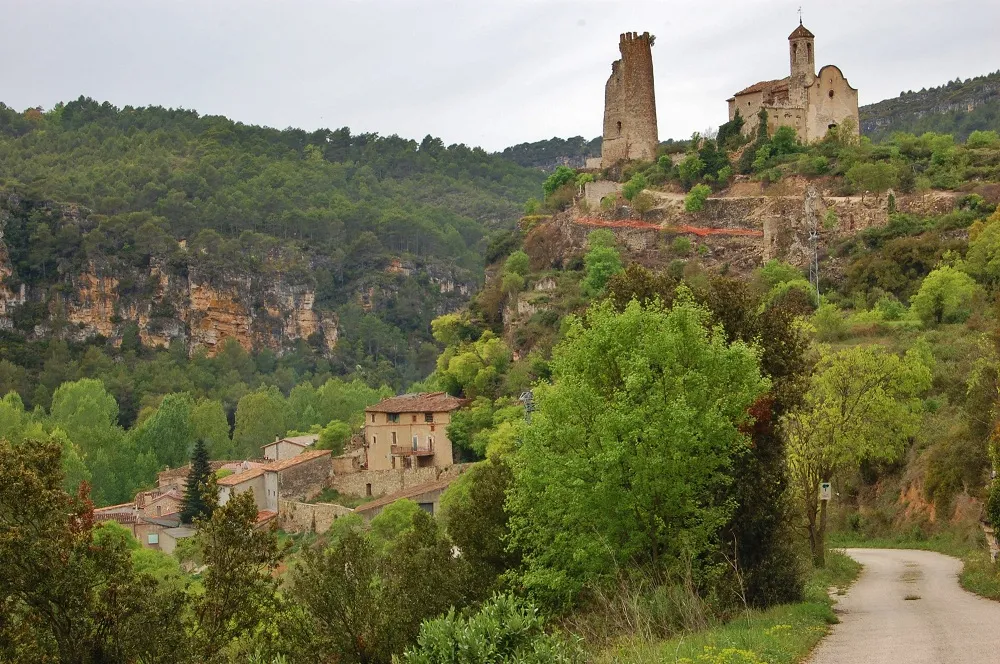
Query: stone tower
[802,61]
[629,104]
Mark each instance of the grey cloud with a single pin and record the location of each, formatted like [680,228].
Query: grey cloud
[481,73]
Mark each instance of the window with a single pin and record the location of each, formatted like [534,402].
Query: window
[809,51]
[394,463]
[393,437]
[159,510]
[393,417]
[414,441]
[374,441]
[153,538]
[373,418]
[368,490]
[428,417]
[432,427]
[414,418]
[795,51]
[430,443]
[831,94]
[619,127]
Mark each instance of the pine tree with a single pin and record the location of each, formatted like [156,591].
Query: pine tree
[197,502]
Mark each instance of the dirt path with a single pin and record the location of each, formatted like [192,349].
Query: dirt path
[908,608]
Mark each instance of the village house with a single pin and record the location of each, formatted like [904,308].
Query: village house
[810,103]
[297,478]
[286,448]
[427,496]
[409,431]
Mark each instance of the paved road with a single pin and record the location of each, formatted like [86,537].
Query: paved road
[879,625]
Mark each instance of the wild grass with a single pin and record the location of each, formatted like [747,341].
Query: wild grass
[779,635]
[981,576]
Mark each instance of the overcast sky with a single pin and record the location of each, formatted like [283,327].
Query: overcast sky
[481,72]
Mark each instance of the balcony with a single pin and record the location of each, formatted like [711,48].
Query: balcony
[409,451]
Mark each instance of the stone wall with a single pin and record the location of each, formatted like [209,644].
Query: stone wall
[594,192]
[304,480]
[630,104]
[296,517]
[382,482]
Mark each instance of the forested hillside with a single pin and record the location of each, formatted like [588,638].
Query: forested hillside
[957,107]
[124,229]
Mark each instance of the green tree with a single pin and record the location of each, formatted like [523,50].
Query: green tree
[945,296]
[68,592]
[334,436]
[260,417]
[983,258]
[601,262]
[167,434]
[198,501]
[473,509]
[239,586]
[872,177]
[861,405]
[208,423]
[629,452]
[517,263]
[695,199]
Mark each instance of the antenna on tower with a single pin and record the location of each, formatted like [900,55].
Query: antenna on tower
[800,14]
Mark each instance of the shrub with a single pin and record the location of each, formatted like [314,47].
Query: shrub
[643,202]
[984,252]
[983,139]
[504,630]
[602,237]
[512,283]
[634,186]
[695,199]
[829,323]
[681,246]
[562,176]
[517,263]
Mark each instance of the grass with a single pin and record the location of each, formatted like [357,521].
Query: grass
[779,635]
[978,576]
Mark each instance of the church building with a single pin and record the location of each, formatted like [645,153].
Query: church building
[811,103]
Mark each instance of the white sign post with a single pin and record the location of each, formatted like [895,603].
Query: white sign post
[825,491]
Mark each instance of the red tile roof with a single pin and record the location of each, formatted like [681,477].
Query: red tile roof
[763,86]
[412,492]
[425,402]
[296,460]
[240,478]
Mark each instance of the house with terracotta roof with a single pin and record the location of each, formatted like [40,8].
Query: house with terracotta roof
[811,103]
[297,478]
[410,431]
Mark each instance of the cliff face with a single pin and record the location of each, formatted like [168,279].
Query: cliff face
[202,312]
[192,296]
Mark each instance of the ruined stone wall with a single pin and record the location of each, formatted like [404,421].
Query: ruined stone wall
[594,192]
[630,104]
[304,480]
[296,517]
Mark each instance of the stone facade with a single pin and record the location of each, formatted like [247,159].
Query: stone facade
[381,482]
[630,104]
[304,480]
[296,517]
[410,431]
[810,103]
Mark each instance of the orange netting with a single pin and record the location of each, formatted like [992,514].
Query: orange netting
[683,228]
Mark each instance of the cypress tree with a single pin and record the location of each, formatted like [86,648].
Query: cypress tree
[197,502]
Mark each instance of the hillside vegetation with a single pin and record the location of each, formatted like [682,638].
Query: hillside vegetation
[957,107]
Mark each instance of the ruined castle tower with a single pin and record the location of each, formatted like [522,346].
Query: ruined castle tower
[629,104]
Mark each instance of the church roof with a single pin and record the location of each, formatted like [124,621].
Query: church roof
[766,87]
[800,32]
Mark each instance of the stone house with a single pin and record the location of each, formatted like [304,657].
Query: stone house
[410,431]
[286,448]
[297,478]
[810,103]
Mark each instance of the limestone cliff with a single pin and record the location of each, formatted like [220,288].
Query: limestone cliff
[187,294]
